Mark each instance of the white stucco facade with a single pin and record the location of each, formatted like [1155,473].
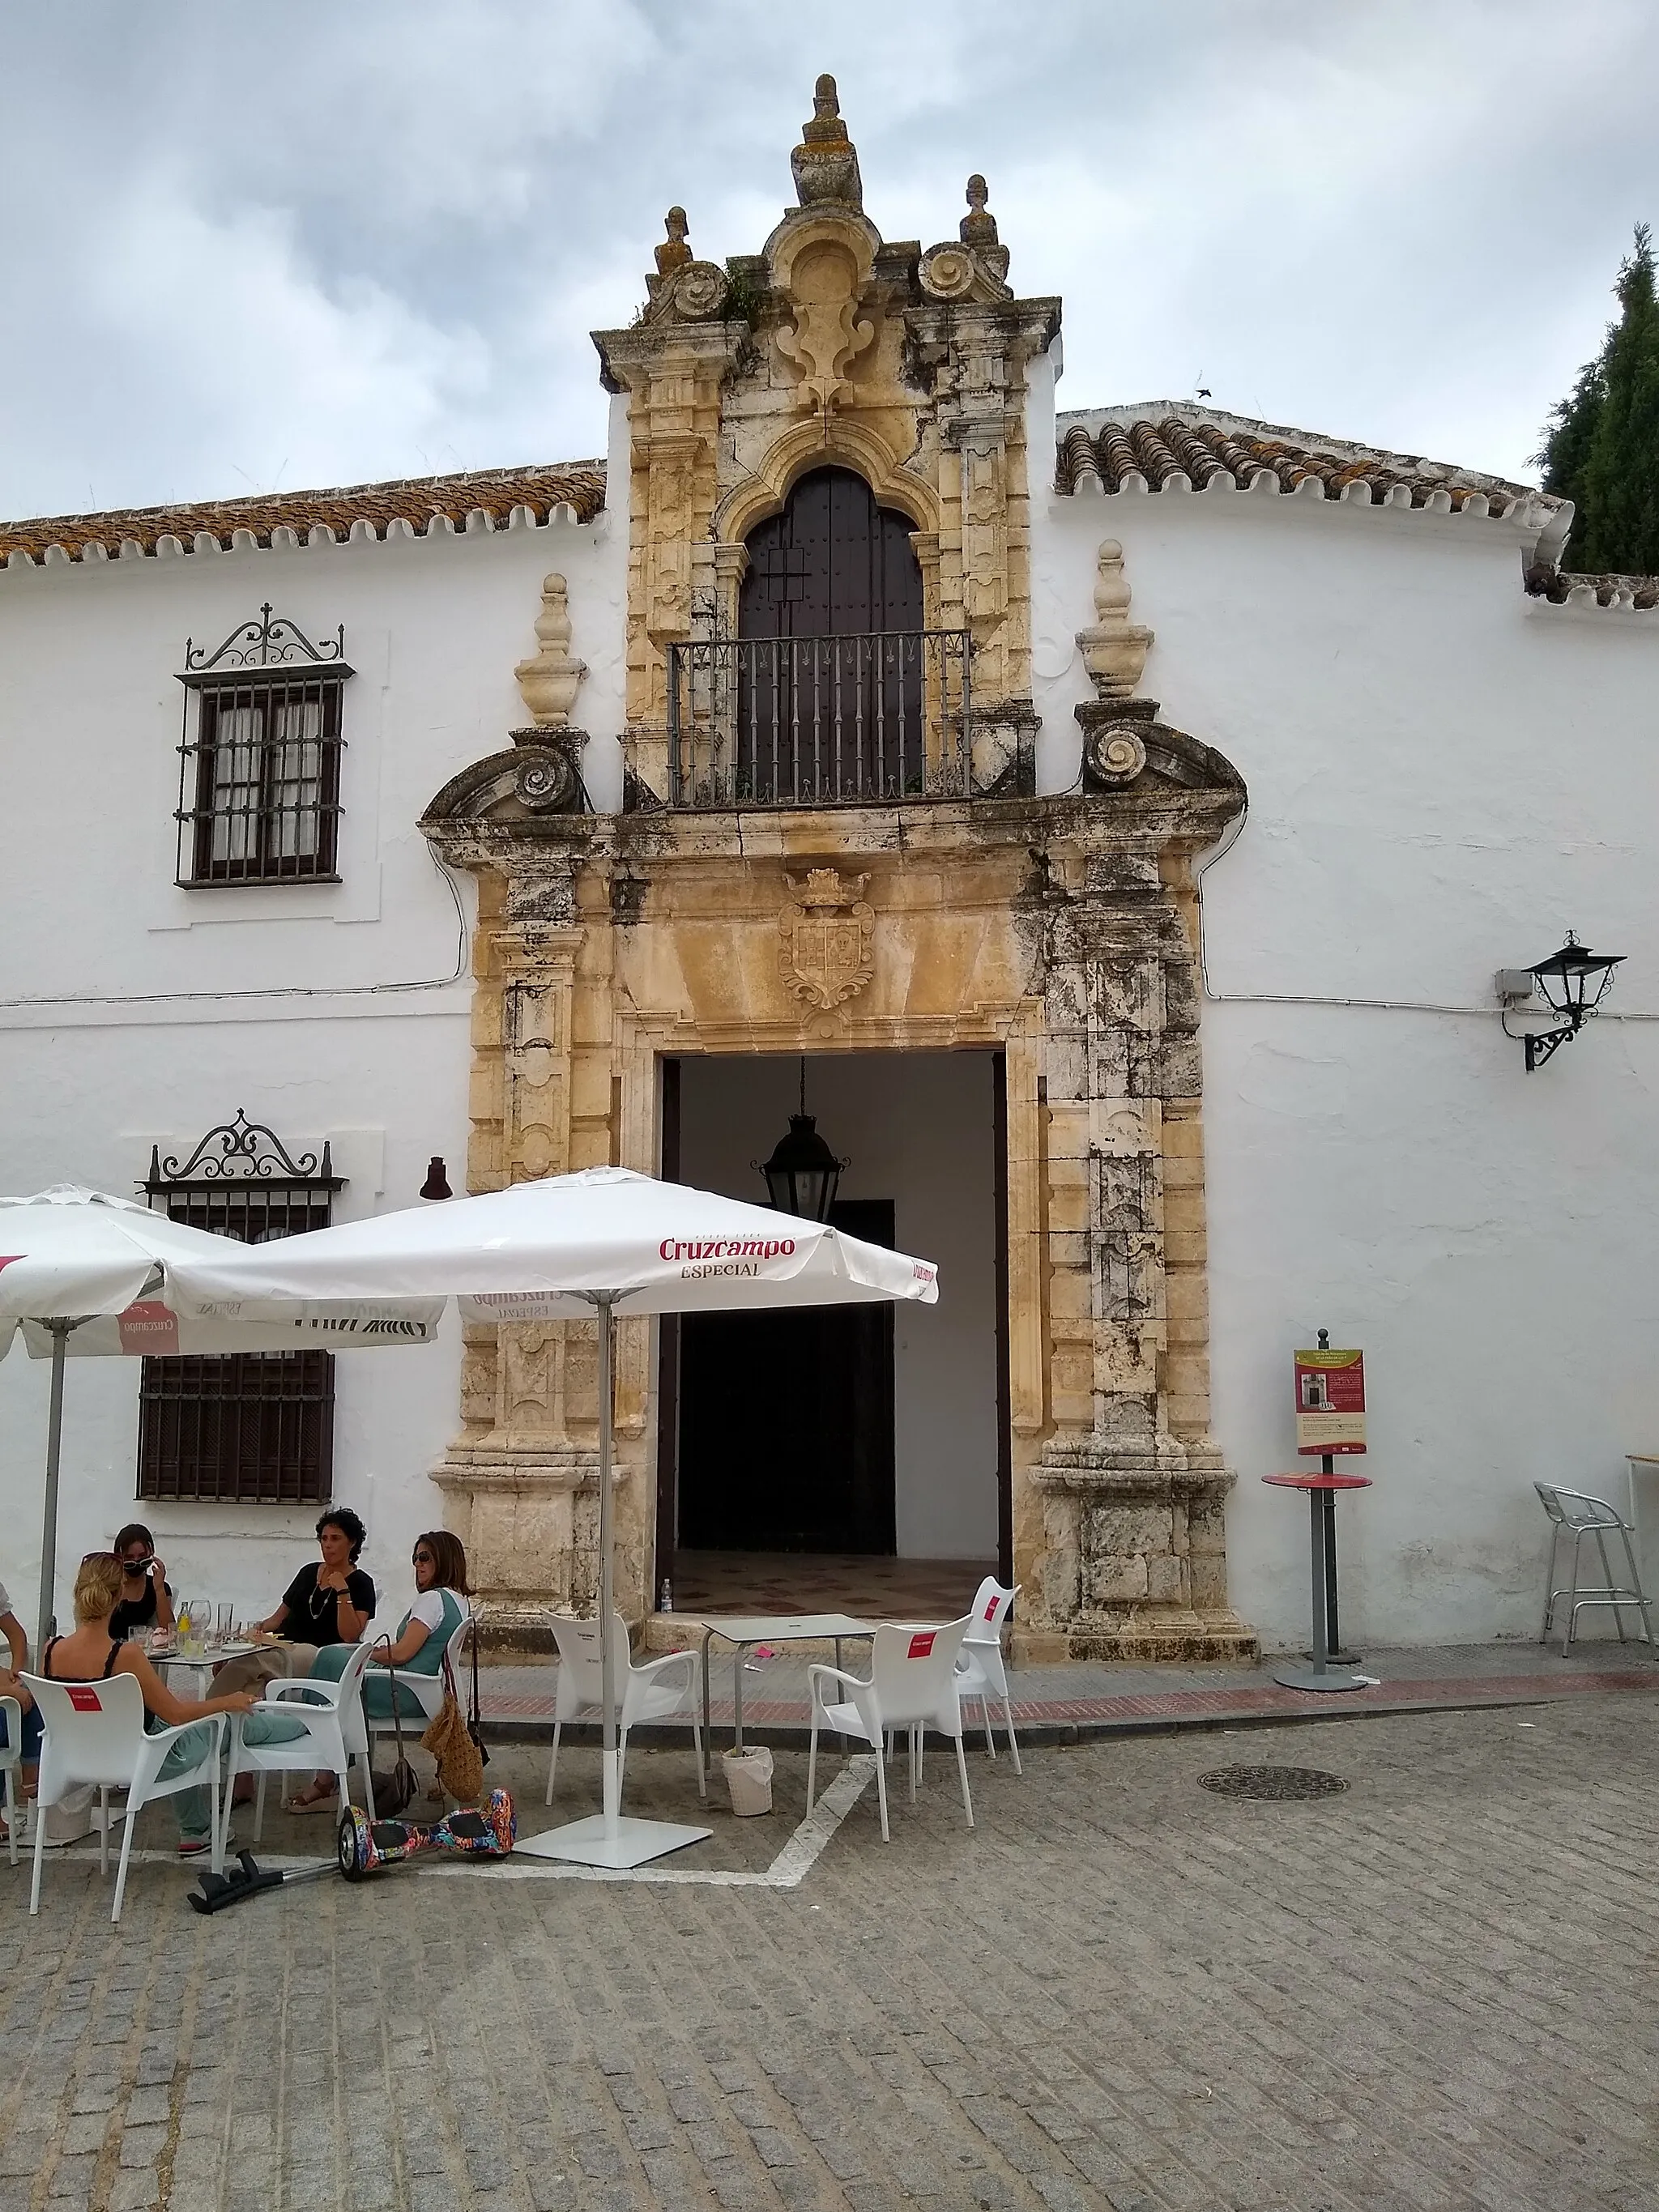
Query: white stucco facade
[1445,774]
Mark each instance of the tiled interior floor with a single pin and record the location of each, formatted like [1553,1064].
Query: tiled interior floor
[871,1589]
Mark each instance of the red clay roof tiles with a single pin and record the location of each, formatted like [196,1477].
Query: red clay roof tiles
[417,500]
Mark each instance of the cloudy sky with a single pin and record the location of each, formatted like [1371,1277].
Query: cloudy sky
[328,241]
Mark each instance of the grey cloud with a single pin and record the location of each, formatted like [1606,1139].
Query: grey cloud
[343,243]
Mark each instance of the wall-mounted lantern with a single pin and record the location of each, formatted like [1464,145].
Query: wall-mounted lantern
[803,1173]
[1574,982]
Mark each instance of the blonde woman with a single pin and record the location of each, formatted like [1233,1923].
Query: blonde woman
[90,1653]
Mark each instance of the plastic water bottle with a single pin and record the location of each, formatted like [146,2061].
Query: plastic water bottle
[666,1604]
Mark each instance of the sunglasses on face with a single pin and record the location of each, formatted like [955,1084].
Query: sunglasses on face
[424,1559]
[137,1566]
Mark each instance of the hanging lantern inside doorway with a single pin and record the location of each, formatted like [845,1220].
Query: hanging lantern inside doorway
[803,1173]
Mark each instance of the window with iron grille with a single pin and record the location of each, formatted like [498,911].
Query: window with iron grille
[259,773]
[255,1426]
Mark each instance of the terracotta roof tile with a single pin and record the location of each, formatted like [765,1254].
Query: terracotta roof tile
[1171,444]
[418,500]
[1562,585]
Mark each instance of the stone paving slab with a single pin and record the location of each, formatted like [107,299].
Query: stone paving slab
[1429,1993]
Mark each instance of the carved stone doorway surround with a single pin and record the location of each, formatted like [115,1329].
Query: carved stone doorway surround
[1058,930]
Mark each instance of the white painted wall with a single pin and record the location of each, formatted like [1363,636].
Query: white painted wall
[916,1128]
[133,1011]
[1444,775]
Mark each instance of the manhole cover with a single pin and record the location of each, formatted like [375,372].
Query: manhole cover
[1271,1781]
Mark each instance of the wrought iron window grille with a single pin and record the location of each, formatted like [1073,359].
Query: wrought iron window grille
[259,756]
[865,719]
[254,1427]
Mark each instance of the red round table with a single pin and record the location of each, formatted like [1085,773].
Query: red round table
[1322,1489]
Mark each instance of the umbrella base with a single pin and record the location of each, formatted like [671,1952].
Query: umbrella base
[620,1844]
[1309,1678]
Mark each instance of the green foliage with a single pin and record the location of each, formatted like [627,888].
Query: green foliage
[1601,448]
[746,299]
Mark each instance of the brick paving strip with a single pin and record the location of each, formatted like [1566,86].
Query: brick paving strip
[521,1698]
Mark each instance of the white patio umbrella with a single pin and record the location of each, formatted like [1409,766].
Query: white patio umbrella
[598,1243]
[87,1273]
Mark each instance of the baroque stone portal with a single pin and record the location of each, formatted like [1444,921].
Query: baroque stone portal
[1059,931]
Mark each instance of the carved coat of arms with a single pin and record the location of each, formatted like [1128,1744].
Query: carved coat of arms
[828,952]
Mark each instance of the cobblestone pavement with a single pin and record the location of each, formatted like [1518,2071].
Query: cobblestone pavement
[1435,1990]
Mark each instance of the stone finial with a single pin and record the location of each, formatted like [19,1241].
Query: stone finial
[548,682]
[978,227]
[825,164]
[1115,649]
[673,253]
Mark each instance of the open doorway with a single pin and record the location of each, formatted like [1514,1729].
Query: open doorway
[787,1422]
[853,1458]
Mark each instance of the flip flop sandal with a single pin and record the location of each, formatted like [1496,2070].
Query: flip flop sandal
[328,1805]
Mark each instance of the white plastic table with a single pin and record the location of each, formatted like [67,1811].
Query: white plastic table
[198,1664]
[743,1630]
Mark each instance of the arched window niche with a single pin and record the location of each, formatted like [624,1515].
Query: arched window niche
[829,688]
[833,563]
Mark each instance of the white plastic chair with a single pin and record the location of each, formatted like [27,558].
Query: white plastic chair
[981,1671]
[96,1733]
[332,1716]
[648,1692]
[11,1758]
[428,1689]
[911,1685]
[1574,1513]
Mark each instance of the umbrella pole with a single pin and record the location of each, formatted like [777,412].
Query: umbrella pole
[605,1839]
[60,1330]
[607,1574]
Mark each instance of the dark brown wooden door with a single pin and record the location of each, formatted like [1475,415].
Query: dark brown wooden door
[787,1422]
[833,564]
[843,720]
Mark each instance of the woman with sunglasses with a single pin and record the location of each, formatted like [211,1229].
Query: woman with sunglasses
[441,1593]
[146,1593]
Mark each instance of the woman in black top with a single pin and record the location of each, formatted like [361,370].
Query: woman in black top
[146,1593]
[331,1601]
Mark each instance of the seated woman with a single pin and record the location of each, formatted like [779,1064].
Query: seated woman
[90,1654]
[329,1602]
[17,1646]
[146,1593]
[441,1593]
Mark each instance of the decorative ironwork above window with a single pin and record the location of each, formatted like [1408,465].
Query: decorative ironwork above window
[240,1148]
[272,641]
[256,1426]
[259,756]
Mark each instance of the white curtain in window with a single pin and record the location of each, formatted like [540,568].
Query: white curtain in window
[296,778]
[237,781]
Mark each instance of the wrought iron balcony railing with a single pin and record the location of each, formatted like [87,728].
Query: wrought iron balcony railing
[820,722]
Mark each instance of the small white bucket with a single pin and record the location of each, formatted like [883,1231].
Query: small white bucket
[748,1779]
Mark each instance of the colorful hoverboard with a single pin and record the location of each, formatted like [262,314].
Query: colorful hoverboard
[367,1847]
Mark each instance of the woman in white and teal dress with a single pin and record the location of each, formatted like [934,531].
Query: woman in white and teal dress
[441,1594]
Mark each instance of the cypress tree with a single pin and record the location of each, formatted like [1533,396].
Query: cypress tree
[1602,447]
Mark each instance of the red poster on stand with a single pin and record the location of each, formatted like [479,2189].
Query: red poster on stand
[1330,1402]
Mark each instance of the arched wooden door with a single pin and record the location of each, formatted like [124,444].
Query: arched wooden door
[831,674]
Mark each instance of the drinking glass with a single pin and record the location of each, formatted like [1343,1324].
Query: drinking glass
[224,1621]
